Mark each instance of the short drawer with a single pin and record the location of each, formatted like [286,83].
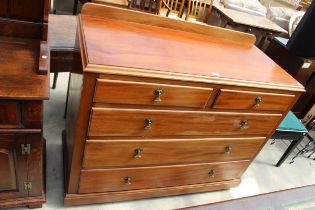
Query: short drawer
[10,114]
[100,154]
[104,180]
[235,99]
[137,122]
[127,92]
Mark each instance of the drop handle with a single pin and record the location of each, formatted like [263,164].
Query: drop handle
[228,149]
[138,152]
[148,123]
[212,173]
[158,93]
[244,124]
[258,101]
[128,180]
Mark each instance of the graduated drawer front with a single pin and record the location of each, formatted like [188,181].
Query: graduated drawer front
[103,180]
[236,99]
[100,154]
[135,122]
[126,92]
[10,114]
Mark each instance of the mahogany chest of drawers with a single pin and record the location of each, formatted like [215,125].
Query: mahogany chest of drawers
[165,107]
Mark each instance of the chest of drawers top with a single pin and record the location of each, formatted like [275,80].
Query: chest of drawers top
[149,47]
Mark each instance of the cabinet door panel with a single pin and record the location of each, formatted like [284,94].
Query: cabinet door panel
[13,171]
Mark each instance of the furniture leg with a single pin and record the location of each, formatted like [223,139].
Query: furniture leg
[35,206]
[66,107]
[75,7]
[291,147]
[55,80]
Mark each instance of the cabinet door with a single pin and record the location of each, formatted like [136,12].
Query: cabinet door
[13,171]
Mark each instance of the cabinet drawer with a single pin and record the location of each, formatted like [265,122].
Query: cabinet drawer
[235,99]
[100,154]
[135,122]
[103,180]
[126,92]
[10,114]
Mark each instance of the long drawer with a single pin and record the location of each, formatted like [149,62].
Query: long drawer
[100,154]
[104,180]
[135,122]
[127,92]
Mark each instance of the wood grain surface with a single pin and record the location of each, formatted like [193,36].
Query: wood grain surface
[143,93]
[10,114]
[104,180]
[131,122]
[19,80]
[139,46]
[104,154]
[235,99]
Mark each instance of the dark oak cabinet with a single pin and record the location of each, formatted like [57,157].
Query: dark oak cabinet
[24,84]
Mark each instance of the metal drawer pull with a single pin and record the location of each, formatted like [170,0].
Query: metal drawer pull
[148,122]
[128,179]
[243,124]
[228,149]
[258,101]
[212,173]
[158,93]
[138,152]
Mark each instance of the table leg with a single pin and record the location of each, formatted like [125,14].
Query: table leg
[75,7]
[291,147]
[66,106]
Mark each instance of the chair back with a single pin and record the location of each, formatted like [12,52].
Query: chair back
[150,6]
[171,6]
[199,9]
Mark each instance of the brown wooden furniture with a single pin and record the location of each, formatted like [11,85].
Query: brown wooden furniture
[303,70]
[158,111]
[61,41]
[24,84]
[199,10]
[259,26]
[174,7]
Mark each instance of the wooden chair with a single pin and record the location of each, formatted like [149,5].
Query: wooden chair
[199,10]
[150,6]
[173,7]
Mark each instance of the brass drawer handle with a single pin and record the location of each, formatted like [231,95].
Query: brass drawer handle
[243,124]
[228,149]
[158,93]
[148,122]
[128,179]
[212,173]
[258,101]
[138,152]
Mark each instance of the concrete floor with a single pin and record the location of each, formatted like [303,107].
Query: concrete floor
[261,177]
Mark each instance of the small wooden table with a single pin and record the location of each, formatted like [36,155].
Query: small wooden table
[260,26]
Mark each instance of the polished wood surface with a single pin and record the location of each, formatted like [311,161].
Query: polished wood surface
[111,91]
[107,197]
[112,120]
[104,154]
[235,99]
[10,114]
[115,13]
[21,81]
[103,180]
[13,168]
[171,45]
[132,122]
[24,84]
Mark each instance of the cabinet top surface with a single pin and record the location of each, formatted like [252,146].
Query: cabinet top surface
[18,78]
[132,46]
